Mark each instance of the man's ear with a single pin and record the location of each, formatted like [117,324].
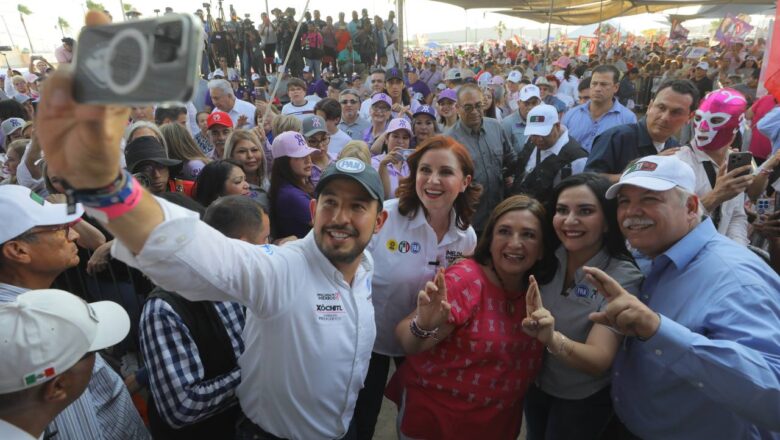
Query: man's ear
[17,251]
[380,220]
[55,390]
[692,207]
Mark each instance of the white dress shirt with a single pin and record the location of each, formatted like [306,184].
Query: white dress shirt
[308,333]
[733,220]
[12,432]
[241,108]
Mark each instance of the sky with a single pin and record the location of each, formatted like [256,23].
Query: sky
[422,16]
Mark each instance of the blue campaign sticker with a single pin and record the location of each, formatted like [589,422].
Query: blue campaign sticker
[416,248]
[582,291]
[267,248]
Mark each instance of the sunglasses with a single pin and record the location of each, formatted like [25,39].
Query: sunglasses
[349,101]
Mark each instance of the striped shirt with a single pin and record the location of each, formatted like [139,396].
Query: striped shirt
[176,373]
[105,409]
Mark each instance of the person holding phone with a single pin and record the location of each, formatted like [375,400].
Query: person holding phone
[720,188]
[391,163]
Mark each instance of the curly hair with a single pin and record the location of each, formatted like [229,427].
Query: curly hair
[466,202]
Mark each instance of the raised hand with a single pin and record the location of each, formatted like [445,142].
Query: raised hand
[433,310]
[624,312]
[80,141]
[242,121]
[538,322]
[727,186]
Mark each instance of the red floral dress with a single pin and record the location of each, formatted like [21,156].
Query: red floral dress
[472,384]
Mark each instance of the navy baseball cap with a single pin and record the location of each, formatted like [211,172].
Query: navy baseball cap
[394,73]
[355,169]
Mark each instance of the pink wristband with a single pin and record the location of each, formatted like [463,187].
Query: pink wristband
[111,212]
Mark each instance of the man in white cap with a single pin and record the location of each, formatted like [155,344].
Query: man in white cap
[548,156]
[700,78]
[37,244]
[513,86]
[49,339]
[701,358]
[514,125]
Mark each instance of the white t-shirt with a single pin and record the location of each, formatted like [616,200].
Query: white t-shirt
[337,142]
[299,111]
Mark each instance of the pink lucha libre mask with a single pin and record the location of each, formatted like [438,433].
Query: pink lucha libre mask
[718,118]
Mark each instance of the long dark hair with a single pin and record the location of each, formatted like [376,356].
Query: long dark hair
[210,183]
[466,202]
[614,242]
[567,71]
[544,269]
[282,173]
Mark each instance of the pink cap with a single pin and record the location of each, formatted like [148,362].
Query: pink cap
[562,62]
[399,124]
[291,144]
[381,97]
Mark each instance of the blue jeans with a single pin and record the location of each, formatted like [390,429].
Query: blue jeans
[315,66]
[552,418]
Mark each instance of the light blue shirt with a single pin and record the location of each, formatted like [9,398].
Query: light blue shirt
[712,370]
[583,128]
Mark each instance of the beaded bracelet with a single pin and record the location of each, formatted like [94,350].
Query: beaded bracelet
[420,333]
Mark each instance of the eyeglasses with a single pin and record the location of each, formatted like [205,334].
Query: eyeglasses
[43,229]
[468,108]
[315,142]
[349,101]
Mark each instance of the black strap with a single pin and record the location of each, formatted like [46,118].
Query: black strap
[712,176]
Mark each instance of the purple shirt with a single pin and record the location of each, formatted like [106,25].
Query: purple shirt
[291,212]
[319,87]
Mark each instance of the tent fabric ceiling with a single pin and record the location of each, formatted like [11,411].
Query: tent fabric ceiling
[580,12]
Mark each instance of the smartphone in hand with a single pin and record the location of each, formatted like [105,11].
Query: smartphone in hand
[139,62]
[737,160]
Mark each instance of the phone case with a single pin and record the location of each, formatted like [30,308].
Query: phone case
[139,62]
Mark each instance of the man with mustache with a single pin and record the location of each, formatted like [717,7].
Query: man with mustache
[671,109]
[701,358]
[722,192]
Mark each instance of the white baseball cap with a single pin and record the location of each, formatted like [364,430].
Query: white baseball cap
[530,91]
[255,76]
[656,173]
[43,333]
[540,120]
[23,210]
[514,76]
[453,74]
[217,72]
[703,65]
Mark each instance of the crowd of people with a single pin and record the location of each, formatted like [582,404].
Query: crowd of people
[587,245]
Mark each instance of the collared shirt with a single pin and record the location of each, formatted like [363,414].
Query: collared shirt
[407,254]
[494,159]
[583,128]
[241,108]
[176,373]
[355,129]
[571,305]
[308,333]
[614,149]
[13,432]
[514,129]
[712,370]
[577,165]
[733,220]
[105,409]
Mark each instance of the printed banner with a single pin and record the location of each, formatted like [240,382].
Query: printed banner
[586,45]
[732,30]
[678,32]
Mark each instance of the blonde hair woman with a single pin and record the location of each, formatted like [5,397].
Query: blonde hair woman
[182,146]
[244,147]
[358,150]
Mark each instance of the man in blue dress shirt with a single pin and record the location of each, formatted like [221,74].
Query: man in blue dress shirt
[702,355]
[602,112]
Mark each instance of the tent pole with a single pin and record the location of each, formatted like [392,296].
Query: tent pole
[547,41]
[598,29]
[401,36]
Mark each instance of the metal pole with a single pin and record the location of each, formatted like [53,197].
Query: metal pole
[547,41]
[122,8]
[598,29]
[267,12]
[8,32]
[400,15]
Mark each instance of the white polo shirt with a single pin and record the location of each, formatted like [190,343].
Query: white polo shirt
[308,333]
[299,111]
[241,108]
[733,220]
[406,255]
